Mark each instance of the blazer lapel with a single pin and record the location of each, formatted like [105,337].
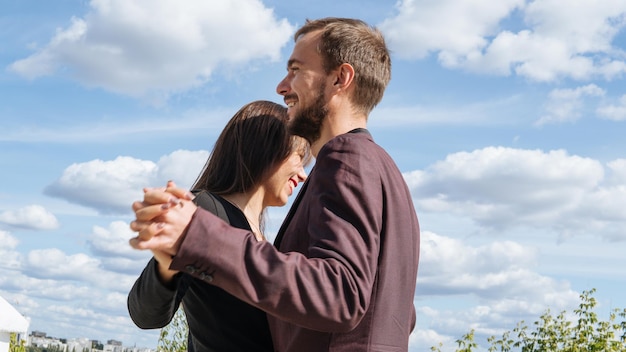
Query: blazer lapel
[292,210]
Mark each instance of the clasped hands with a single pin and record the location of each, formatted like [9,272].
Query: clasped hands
[161,219]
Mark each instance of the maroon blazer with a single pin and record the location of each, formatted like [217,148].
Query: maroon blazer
[342,275]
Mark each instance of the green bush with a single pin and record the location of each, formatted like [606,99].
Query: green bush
[558,334]
[173,337]
[14,346]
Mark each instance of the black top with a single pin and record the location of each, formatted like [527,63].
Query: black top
[217,320]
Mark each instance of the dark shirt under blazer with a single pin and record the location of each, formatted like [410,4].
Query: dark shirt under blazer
[343,277]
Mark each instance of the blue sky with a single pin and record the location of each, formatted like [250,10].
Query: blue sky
[507,120]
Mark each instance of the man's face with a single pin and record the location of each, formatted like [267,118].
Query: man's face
[307,120]
[303,88]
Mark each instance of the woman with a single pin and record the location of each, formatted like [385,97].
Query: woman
[255,163]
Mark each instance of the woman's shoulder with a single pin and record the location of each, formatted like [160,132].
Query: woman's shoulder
[210,202]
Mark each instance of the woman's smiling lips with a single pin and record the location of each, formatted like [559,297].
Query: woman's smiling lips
[294,183]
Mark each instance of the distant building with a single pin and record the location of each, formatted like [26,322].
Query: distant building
[46,342]
[113,346]
[40,339]
[36,333]
[137,349]
[78,345]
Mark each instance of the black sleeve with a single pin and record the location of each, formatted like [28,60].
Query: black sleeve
[152,304]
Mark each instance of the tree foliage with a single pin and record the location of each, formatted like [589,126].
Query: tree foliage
[173,337]
[15,346]
[558,334]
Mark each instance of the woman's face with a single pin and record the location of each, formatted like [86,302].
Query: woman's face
[284,179]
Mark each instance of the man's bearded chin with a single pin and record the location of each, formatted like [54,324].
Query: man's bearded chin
[307,123]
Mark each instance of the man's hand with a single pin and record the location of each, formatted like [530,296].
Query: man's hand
[161,218]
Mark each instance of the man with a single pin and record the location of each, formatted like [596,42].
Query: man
[342,274]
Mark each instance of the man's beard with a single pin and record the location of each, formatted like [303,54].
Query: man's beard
[307,123]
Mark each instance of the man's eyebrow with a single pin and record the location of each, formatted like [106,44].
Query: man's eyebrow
[291,62]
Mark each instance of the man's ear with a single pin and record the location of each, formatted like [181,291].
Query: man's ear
[344,75]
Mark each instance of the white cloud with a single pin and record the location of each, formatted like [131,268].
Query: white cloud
[52,274]
[34,217]
[111,186]
[451,27]
[111,246]
[68,292]
[504,188]
[444,255]
[10,257]
[496,282]
[113,242]
[154,48]
[494,271]
[57,290]
[427,337]
[111,301]
[618,171]
[614,112]
[7,241]
[54,264]
[567,105]
[182,166]
[549,42]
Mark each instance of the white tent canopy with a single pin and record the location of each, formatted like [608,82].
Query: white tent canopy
[10,319]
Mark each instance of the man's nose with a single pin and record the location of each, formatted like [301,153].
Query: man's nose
[283,87]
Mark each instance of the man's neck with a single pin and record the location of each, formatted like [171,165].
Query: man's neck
[334,126]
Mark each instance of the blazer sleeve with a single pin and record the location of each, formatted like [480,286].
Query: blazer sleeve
[329,288]
[151,304]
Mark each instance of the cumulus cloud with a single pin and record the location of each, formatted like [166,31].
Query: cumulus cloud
[501,269]
[54,264]
[113,242]
[111,186]
[503,188]
[94,316]
[57,290]
[182,166]
[111,246]
[497,276]
[155,48]
[615,112]
[111,301]
[618,172]
[546,41]
[48,282]
[421,338]
[452,28]
[33,217]
[10,257]
[567,105]
[7,241]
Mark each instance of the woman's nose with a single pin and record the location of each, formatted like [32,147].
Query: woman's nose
[301,174]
